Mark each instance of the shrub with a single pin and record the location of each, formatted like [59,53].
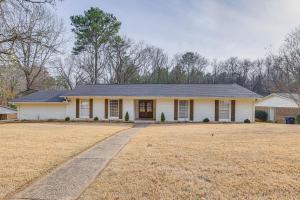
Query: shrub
[162,117]
[12,106]
[261,115]
[247,121]
[67,119]
[96,119]
[126,117]
[298,119]
[205,120]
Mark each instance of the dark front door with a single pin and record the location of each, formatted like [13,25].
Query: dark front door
[146,109]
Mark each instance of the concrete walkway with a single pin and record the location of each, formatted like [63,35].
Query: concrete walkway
[72,178]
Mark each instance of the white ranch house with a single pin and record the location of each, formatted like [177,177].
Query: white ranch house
[178,102]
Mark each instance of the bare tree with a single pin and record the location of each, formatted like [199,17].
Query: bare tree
[10,83]
[68,73]
[43,39]
[157,65]
[85,63]
[178,74]
[284,67]
[118,59]
[12,30]
[128,62]
[22,2]
[192,62]
[9,27]
[38,1]
[140,59]
[257,78]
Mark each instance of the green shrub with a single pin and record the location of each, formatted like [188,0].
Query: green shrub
[67,119]
[247,121]
[12,106]
[96,119]
[205,120]
[162,117]
[298,119]
[126,117]
[261,115]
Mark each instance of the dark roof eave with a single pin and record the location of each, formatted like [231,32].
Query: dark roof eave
[159,96]
[37,101]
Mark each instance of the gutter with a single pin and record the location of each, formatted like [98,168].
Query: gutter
[164,97]
[36,102]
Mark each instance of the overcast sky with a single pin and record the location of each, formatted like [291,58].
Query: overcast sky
[214,28]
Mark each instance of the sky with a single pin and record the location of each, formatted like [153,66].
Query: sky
[216,29]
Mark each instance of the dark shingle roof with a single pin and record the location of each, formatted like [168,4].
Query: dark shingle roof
[164,90]
[42,96]
[144,90]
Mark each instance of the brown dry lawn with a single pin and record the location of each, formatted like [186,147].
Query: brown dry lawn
[240,161]
[29,150]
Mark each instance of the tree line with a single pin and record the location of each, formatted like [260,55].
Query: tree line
[32,56]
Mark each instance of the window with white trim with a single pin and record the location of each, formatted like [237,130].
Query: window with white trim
[183,109]
[114,108]
[224,110]
[84,108]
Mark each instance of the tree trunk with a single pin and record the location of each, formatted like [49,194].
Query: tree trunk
[96,66]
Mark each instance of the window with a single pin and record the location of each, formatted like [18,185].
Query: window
[142,107]
[149,107]
[224,110]
[183,111]
[114,108]
[84,108]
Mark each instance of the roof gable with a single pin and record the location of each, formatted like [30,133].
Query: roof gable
[280,101]
[292,96]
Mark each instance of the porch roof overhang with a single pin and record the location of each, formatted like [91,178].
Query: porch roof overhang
[157,97]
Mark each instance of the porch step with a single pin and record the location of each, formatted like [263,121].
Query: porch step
[144,121]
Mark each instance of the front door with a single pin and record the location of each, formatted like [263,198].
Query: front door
[271,114]
[146,109]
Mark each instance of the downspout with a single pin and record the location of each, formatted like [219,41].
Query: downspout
[18,111]
[253,110]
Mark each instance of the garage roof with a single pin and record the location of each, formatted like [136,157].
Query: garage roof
[279,100]
[6,110]
[288,95]
[42,96]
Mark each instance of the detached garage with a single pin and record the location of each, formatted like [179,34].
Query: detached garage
[7,113]
[279,105]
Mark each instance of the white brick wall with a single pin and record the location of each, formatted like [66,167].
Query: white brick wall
[99,108]
[204,109]
[128,106]
[167,107]
[41,111]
